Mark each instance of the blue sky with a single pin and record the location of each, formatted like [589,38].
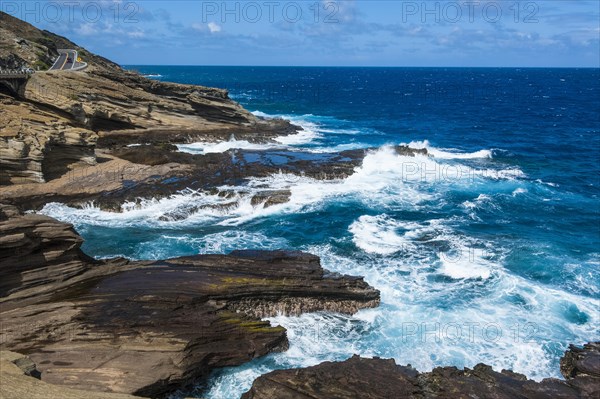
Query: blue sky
[321,32]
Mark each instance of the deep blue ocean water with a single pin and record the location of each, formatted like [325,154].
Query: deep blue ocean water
[488,251]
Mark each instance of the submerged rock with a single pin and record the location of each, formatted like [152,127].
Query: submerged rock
[271,197]
[147,328]
[383,379]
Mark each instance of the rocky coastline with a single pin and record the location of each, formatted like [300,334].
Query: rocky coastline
[73,326]
[149,328]
[382,379]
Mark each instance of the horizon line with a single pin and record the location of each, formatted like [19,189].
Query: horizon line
[364,66]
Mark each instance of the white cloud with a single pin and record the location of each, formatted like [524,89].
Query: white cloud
[87,29]
[136,34]
[213,27]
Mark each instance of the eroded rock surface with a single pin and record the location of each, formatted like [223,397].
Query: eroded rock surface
[581,368]
[37,250]
[54,121]
[383,379]
[147,328]
[128,174]
[17,382]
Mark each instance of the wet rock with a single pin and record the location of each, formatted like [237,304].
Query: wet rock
[354,378]
[271,197]
[158,171]
[382,379]
[148,328]
[581,368]
[409,151]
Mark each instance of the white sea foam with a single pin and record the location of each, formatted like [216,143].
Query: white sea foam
[465,265]
[478,293]
[518,191]
[385,179]
[462,259]
[547,183]
[338,148]
[215,243]
[314,129]
[379,181]
[477,202]
[449,153]
[309,132]
[193,206]
[340,131]
[427,324]
[223,146]
[379,234]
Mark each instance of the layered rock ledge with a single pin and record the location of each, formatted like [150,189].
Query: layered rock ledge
[128,174]
[18,382]
[383,379]
[147,328]
[54,121]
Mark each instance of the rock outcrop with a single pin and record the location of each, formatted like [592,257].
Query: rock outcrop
[383,379]
[36,250]
[127,174]
[147,328]
[581,368]
[54,122]
[18,382]
[38,145]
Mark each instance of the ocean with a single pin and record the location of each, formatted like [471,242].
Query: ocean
[488,251]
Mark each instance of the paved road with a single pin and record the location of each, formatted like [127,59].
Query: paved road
[62,62]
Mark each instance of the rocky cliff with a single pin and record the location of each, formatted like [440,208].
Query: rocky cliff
[383,379]
[55,120]
[19,379]
[148,328]
[24,45]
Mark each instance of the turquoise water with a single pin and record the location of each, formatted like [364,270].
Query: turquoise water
[485,252]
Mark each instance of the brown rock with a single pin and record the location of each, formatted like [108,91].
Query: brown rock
[37,250]
[382,379]
[16,383]
[581,368]
[52,122]
[149,328]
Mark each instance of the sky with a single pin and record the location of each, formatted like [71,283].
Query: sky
[500,33]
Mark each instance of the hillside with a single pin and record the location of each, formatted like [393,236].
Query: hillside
[23,45]
[57,120]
